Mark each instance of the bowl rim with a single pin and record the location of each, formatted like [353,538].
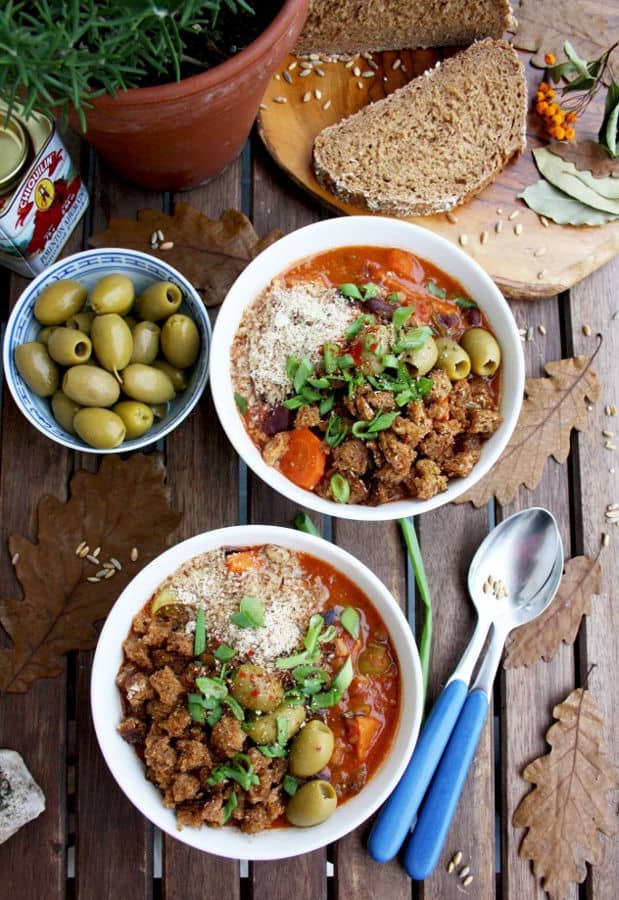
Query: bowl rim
[344,231]
[29,294]
[106,706]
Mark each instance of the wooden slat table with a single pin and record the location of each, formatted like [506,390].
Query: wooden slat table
[91,844]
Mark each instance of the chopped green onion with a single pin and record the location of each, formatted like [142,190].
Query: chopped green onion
[340,488]
[294,698]
[235,708]
[304,370]
[309,395]
[212,688]
[302,522]
[282,730]
[292,364]
[329,353]
[231,805]
[344,677]
[433,288]
[235,771]
[224,652]
[241,403]
[336,431]
[350,290]
[197,710]
[389,361]
[319,383]
[369,290]
[351,621]
[326,404]
[295,402]
[401,316]
[272,750]
[290,785]
[345,361]
[326,699]
[465,303]
[298,659]
[356,326]
[327,635]
[425,643]
[397,297]
[382,421]
[199,638]
[339,685]
[316,624]
[250,614]
[215,715]
[414,339]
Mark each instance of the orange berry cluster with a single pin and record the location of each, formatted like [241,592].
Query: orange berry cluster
[558,122]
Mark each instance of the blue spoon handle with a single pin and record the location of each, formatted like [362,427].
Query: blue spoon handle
[426,843]
[397,815]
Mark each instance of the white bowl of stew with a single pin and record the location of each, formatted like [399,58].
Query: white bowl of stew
[362,278]
[374,715]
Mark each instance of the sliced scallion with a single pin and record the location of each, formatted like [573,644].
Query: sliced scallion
[230,806]
[433,288]
[290,785]
[199,639]
[351,621]
[302,522]
[304,370]
[241,403]
[250,614]
[340,488]
[401,316]
[350,290]
[465,303]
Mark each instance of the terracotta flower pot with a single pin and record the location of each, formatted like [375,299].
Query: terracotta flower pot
[177,135]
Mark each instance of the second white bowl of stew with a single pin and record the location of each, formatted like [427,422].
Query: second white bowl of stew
[256,692]
[367,368]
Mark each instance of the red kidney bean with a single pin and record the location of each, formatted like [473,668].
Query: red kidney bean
[277,419]
[380,307]
[473,317]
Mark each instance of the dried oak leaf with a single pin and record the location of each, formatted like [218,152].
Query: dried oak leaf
[551,408]
[569,804]
[210,253]
[125,505]
[545,25]
[542,638]
[587,156]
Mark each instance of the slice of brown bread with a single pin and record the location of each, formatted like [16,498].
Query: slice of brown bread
[356,26]
[433,143]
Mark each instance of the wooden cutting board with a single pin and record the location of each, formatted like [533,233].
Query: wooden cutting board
[538,262]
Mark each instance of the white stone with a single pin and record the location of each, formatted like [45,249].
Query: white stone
[21,798]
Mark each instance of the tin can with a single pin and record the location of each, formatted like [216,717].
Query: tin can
[42,197]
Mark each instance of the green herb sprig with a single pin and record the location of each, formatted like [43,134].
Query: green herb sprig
[425,642]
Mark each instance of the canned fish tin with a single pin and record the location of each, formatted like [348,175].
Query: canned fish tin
[42,197]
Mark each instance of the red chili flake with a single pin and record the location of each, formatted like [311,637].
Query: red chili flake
[249,653]
[255,692]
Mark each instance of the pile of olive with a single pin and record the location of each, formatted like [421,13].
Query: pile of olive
[110,362]
[477,352]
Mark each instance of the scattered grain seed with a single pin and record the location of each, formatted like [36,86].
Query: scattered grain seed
[287,77]
[15,559]
[109,574]
[518,229]
[304,73]
[93,559]
[108,565]
[277,77]
[530,333]
[513,215]
[609,434]
[360,85]
[134,554]
[404,69]
[80,547]
[613,410]
[586,330]
[544,221]
[498,227]
[605,539]
[160,236]
[616,316]
[117,565]
[307,96]
[292,66]
[451,218]
[315,57]
[468,880]
[457,859]
[153,237]
[499,210]
[612,507]
[93,580]
[102,573]
[541,329]
[464,872]
[96,551]
[280,99]
[326,105]
[366,55]
[349,64]
[540,251]
[356,71]
[483,237]
[463,240]
[371,63]
[319,72]
[263,106]
[522,331]
[542,274]
[167,245]
[318,94]
[610,446]
[369,73]
[396,64]
[450,867]
[486,587]
[84,552]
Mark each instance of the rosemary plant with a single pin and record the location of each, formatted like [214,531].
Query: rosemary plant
[57,53]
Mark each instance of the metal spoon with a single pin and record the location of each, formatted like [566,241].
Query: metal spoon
[522,552]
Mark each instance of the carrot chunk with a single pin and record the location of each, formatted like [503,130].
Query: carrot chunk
[304,461]
[366,729]
[243,561]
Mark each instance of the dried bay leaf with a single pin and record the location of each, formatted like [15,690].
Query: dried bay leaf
[210,253]
[541,638]
[569,806]
[125,505]
[549,201]
[563,176]
[552,407]
[587,156]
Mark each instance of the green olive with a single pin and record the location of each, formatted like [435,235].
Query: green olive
[37,368]
[131,322]
[111,341]
[374,660]
[100,428]
[59,302]
[44,333]
[64,411]
[422,360]
[112,294]
[160,410]
[312,804]
[255,688]
[81,321]
[311,749]
[263,730]
[180,341]
[147,384]
[453,359]
[138,417]
[158,301]
[145,343]
[90,386]
[69,347]
[483,350]
[178,377]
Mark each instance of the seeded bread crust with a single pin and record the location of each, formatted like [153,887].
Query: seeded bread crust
[357,26]
[434,143]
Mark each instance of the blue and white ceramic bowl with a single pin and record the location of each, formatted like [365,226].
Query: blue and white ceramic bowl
[88,268]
